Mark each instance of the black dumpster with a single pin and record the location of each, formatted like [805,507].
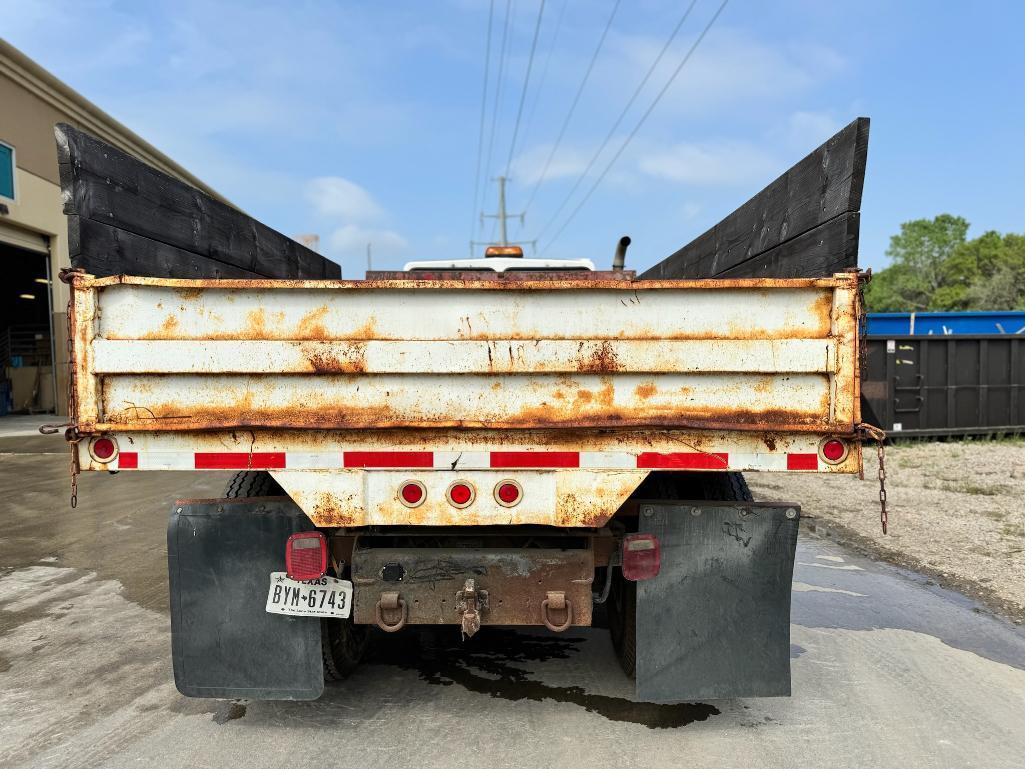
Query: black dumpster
[946,385]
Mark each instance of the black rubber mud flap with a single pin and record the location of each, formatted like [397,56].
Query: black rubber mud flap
[715,622]
[220,554]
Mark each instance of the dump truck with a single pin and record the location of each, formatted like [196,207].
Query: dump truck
[465,444]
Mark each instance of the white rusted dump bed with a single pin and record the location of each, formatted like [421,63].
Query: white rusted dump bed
[576,388]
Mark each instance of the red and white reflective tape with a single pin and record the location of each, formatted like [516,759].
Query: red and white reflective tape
[467,460]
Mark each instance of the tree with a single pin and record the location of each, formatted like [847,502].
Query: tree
[918,255]
[934,267]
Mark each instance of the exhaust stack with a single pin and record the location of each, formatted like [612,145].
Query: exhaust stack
[620,258]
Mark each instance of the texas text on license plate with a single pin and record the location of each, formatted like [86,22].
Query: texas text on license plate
[324,597]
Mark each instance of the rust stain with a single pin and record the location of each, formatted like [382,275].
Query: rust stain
[169,326]
[603,359]
[242,413]
[255,327]
[645,390]
[311,325]
[188,294]
[336,359]
[367,331]
[580,281]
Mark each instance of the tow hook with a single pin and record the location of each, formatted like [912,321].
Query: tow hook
[556,600]
[390,602]
[470,602]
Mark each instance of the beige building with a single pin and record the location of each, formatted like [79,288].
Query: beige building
[33,229]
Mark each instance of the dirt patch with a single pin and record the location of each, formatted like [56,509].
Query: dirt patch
[957,513]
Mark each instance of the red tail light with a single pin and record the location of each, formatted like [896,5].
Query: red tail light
[306,555]
[412,493]
[103,449]
[508,493]
[642,556]
[460,494]
[833,450]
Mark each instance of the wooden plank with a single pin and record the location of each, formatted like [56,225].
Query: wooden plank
[824,186]
[101,249]
[823,251]
[100,183]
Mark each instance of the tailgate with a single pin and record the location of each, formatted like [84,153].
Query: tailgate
[196,355]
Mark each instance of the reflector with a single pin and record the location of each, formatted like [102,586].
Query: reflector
[508,493]
[642,556]
[460,494]
[833,450]
[103,449]
[412,493]
[306,555]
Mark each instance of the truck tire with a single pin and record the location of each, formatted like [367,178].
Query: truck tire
[343,644]
[622,608]
[252,483]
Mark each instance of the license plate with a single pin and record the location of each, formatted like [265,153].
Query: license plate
[324,597]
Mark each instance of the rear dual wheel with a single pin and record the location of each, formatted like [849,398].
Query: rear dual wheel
[622,608]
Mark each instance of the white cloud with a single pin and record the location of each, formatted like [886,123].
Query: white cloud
[731,67]
[351,240]
[723,163]
[568,161]
[337,197]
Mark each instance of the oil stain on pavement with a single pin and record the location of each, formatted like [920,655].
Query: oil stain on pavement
[491,663]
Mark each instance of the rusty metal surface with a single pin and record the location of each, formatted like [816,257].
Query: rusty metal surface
[315,476]
[576,497]
[751,355]
[513,276]
[428,580]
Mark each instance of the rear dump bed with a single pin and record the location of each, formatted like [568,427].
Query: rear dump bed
[473,453]
[575,388]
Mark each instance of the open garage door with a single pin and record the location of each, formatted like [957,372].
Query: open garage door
[26,349]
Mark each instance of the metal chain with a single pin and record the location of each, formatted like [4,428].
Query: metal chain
[71,434]
[873,432]
[865,429]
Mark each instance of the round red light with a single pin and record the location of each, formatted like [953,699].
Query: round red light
[412,493]
[460,494]
[508,493]
[104,449]
[833,450]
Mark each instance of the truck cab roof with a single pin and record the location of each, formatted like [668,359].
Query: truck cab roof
[501,264]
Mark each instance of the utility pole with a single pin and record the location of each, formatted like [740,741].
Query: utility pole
[502,216]
[370,262]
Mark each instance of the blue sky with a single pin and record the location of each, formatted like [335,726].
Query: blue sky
[359,121]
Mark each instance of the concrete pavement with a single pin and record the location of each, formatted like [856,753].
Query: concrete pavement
[888,669]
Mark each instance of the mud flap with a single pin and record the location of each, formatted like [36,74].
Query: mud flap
[220,554]
[715,622]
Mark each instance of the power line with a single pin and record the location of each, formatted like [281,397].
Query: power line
[526,85]
[498,86]
[573,106]
[483,111]
[640,122]
[544,72]
[622,114]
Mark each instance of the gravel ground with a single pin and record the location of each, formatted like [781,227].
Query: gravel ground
[957,513]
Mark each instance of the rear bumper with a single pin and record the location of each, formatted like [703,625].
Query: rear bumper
[511,583]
